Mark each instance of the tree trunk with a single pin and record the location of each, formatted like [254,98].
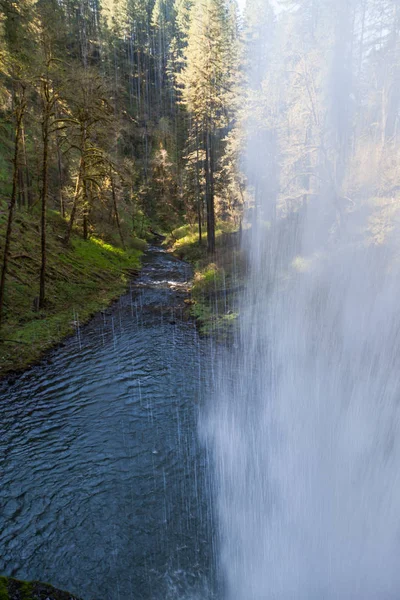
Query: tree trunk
[199,215]
[85,211]
[60,168]
[75,202]
[43,216]
[85,225]
[210,193]
[60,180]
[392,95]
[21,188]
[114,197]
[362,35]
[28,184]
[20,110]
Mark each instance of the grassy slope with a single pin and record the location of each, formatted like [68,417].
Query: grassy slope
[217,279]
[82,279]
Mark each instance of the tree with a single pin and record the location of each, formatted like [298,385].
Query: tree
[205,85]
[14,71]
[90,113]
[19,112]
[50,23]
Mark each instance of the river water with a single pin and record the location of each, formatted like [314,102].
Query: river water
[103,481]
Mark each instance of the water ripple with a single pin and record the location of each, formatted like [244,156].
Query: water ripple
[102,486]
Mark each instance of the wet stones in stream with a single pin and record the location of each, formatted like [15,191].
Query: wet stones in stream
[165,291]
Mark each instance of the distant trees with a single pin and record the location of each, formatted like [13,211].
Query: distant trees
[321,115]
[206,86]
[86,126]
[119,113]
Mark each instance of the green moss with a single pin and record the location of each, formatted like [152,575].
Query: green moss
[221,326]
[25,589]
[208,279]
[214,315]
[216,281]
[3,589]
[29,590]
[82,279]
[184,241]
[186,231]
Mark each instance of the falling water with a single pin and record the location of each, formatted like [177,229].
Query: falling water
[305,432]
[305,427]
[305,423]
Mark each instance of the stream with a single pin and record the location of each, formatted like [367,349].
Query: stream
[103,485]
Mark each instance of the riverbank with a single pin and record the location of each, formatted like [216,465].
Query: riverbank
[82,279]
[217,281]
[14,589]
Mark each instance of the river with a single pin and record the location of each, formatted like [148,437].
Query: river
[103,488]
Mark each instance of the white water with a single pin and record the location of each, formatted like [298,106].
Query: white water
[306,429]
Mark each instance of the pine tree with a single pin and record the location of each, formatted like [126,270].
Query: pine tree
[205,81]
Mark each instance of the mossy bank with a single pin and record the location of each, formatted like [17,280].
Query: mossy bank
[218,279]
[83,277]
[14,589]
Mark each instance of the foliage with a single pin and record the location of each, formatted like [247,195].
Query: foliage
[83,278]
[184,241]
[132,115]
[208,83]
[216,284]
[320,119]
[98,101]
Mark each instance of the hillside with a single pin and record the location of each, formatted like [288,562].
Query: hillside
[83,278]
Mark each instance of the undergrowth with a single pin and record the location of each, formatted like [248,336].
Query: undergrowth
[184,241]
[17,589]
[217,280]
[82,278]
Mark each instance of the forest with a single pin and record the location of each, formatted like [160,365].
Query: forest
[226,169]
[122,116]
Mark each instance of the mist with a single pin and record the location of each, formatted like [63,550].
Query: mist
[304,426]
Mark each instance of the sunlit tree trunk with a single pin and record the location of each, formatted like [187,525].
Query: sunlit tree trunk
[209,168]
[85,211]
[116,213]
[198,187]
[75,200]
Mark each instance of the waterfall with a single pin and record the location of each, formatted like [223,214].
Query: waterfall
[305,433]
[304,425]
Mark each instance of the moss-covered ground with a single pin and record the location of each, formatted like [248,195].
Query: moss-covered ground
[83,277]
[3,588]
[218,279]
[14,589]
